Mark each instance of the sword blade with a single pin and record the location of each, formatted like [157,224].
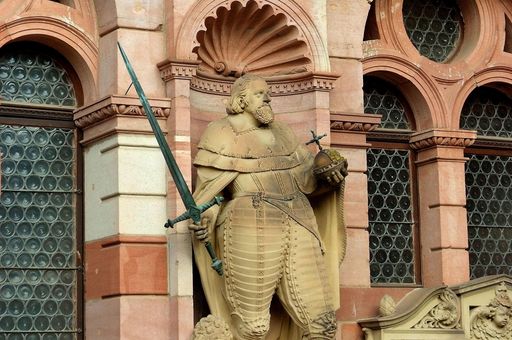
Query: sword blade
[177,176]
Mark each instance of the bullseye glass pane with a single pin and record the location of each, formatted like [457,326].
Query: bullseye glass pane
[34,78]
[390,217]
[489,112]
[489,214]
[433,26]
[381,98]
[38,277]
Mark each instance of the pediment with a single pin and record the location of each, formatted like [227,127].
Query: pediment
[478,310]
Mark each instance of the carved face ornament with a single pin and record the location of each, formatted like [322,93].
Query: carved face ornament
[257,101]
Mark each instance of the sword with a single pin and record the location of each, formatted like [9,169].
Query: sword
[193,210]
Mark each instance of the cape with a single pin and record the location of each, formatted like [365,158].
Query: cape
[222,155]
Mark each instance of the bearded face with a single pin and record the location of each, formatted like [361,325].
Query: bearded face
[264,114]
[257,102]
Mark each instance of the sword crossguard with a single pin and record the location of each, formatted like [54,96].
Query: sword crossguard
[194,214]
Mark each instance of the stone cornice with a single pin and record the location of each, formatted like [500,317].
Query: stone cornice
[354,122]
[114,106]
[442,137]
[178,69]
[279,86]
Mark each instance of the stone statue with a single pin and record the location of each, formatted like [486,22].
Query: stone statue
[279,232]
[492,322]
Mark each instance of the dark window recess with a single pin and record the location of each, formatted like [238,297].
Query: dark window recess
[489,208]
[434,27]
[390,200]
[390,216]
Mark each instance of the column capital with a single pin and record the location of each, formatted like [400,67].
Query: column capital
[442,137]
[178,69]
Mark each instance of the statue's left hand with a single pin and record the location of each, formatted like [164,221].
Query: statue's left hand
[334,178]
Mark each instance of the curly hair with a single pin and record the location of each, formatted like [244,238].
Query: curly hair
[236,103]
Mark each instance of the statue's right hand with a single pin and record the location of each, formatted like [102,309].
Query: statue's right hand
[200,231]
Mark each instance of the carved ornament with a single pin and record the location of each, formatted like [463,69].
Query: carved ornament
[442,137]
[177,69]
[279,86]
[243,39]
[446,314]
[354,122]
[492,322]
[117,106]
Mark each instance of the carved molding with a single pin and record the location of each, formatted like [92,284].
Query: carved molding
[279,86]
[354,122]
[249,39]
[445,315]
[177,69]
[442,137]
[114,106]
[21,110]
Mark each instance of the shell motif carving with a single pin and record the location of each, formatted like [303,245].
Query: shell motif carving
[251,39]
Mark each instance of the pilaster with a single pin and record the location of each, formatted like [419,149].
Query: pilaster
[348,132]
[442,205]
[124,198]
[177,76]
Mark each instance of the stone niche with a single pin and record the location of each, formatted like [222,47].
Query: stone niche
[477,310]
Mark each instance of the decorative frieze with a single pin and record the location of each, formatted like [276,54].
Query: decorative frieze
[355,122]
[178,69]
[442,137]
[118,106]
[279,86]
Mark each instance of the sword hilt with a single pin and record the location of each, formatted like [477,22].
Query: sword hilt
[195,214]
[217,200]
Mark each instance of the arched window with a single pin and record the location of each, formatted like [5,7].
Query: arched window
[40,237]
[390,193]
[488,181]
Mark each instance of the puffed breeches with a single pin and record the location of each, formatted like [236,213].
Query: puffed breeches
[265,253]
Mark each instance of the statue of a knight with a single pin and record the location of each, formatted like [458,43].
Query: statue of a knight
[279,231]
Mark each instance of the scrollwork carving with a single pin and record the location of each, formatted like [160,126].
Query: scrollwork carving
[446,314]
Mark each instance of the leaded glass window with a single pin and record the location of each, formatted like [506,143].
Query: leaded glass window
[433,26]
[489,112]
[390,216]
[488,183]
[38,271]
[36,78]
[390,205]
[489,207]
[381,98]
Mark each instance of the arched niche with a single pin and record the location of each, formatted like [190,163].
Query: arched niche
[196,21]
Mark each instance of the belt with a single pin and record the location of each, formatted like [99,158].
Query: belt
[278,201]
